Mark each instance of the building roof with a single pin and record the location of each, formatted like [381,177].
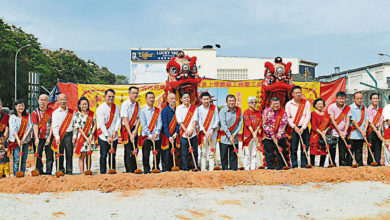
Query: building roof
[353,70]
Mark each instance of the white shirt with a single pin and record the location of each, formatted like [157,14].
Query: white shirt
[386,114]
[202,114]
[127,110]
[103,116]
[57,118]
[181,112]
[14,125]
[145,118]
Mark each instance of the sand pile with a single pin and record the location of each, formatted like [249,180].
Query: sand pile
[206,179]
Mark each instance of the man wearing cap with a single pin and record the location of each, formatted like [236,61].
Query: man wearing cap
[252,125]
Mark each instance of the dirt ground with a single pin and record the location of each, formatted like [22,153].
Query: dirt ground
[354,200]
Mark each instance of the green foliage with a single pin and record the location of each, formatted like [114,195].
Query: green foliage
[60,64]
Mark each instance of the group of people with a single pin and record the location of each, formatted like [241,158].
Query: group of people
[276,132]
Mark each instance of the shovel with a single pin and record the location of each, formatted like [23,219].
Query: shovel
[261,159]
[280,150]
[304,150]
[138,170]
[58,173]
[215,158]
[354,165]
[193,157]
[155,170]
[330,158]
[112,150]
[374,163]
[89,154]
[35,172]
[19,173]
[174,168]
[239,160]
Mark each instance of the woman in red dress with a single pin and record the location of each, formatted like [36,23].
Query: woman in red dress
[320,122]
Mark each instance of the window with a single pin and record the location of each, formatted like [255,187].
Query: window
[232,74]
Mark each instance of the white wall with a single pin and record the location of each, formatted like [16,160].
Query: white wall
[206,61]
[354,78]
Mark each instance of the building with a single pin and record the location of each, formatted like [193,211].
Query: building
[149,65]
[380,71]
[354,78]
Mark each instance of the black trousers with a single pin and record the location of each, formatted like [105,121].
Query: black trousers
[129,158]
[322,160]
[104,151]
[48,154]
[376,148]
[184,146]
[295,140]
[146,148]
[343,152]
[271,150]
[228,157]
[357,151]
[66,146]
[166,158]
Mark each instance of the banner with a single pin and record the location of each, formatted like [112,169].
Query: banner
[218,89]
[153,54]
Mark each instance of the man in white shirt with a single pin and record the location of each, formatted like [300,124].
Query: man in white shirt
[187,118]
[151,127]
[208,125]
[130,110]
[108,124]
[62,125]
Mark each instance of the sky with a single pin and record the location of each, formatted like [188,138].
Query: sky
[347,34]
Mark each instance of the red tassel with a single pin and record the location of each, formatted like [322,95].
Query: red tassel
[212,149]
[155,152]
[20,154]
[327,146]
[190,149]
[369,145]
[112,150]
[58,155]
[89,153]
[235,150]
[348,146]
[173,150]
[259,148]
[280,150]
[134,152]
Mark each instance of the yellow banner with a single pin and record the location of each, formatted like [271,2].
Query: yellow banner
[218,89]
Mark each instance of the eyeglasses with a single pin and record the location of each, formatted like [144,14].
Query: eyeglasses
[254,102]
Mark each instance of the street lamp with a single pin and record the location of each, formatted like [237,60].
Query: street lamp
[16,70]
[383,54]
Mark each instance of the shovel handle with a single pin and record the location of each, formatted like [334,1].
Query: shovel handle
[215,158]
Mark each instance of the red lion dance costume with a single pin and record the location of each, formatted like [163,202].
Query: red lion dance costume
[183,77]
[277,82]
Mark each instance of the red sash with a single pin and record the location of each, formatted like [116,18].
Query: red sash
[125,134]
[248,138]
[231,128]
[87,127]
[207,123]
[278,120]
[362,114]
[45,118]
[343,114]
[386,132]
[376,119]
[164,137]
[108,124]
[188,118]
[22,130]
[151,126]
[298,116]
[4,122]
[63,128]
[323,125]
